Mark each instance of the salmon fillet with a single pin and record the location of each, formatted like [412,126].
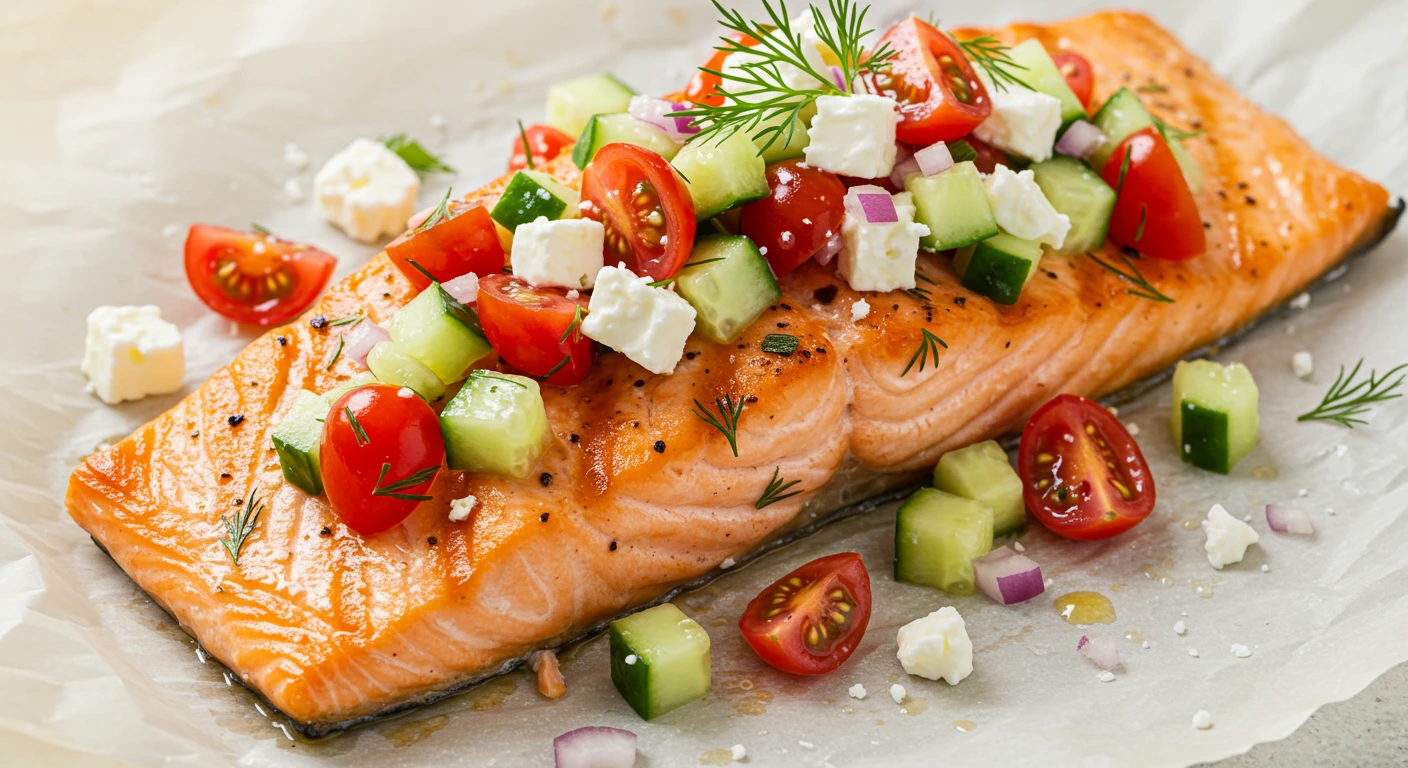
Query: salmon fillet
[330,628]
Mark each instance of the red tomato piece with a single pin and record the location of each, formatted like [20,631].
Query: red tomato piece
[1078,73]
[464,242]
[1083,476]
[536,330]
[811,620]
[380,454]
[545,141]
[702,86]
[792,222]
[989,157]
[1155,212]
[646,207]
[940,97]
[254,277]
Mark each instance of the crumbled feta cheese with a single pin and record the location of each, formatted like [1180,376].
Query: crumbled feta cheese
[648,325]
[937,646]
[854,135]
[879,257]
[460,508]
[406,392]
[1144,645]
[1202,720]
[727,563]
[367,189]
[130,352]
[857,691]
[897,693]
[1107,676]
[1133,429]
[1265,568]
[1021,208]
[860,310]
[1179,628]
[1302,364]
[1301,302]
[1241,651]
[806,745]
[1023,122]
[1228,537]
[293,190]
[296,158]
[632,659]
[437,121]
[1193,652]
[738,752]
[565,253]
[1017,545]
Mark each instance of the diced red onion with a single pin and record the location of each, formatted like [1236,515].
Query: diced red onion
[362,338]
[595,747]
[934,159]
[653,111]
[1283,518]
[1008,577]
[1081,139]
[871,204]
[464,288]
[1101,651]
[829,249]
[903,170]
[838,78]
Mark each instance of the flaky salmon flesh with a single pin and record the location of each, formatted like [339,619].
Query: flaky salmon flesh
[330,627]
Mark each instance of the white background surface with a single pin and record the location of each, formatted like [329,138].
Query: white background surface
[124,122]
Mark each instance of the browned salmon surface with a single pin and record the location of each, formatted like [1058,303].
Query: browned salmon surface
[330,627]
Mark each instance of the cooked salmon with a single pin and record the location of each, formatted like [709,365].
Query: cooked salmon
[330,627]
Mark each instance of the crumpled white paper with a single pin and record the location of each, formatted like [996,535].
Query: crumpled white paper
[125,122]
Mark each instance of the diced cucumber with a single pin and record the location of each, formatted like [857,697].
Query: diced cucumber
[1043,76]
[1215,419]
[954,206]
[1075,190]
[360,380]
[1124,114]
[730,294]
[998,267]
[572,103]
[722,174]
[495,424]
[937,535]
[391,365]
[659,660]
[437,330]
[782,148]
[531,194]
[298,440]
[620,129]
[981,472]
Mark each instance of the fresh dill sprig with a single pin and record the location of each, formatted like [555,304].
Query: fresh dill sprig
[775,491]
[1142,287]
[349,320]
[527,148]
[1174,133]
[393,491]
[575,329]
[730,409]
[241,526]
[1152,88]
[702,262]
[260,229]
[922,294]
[560,365]
[1344,403]
[480,373]
[441,212]
[336,353]
[992,56]
[357,431]
[921,276]
[416,156]
[928,348]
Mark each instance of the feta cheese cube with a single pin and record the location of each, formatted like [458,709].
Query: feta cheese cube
[856,691]
[1241,651]
[649,325]
[1302,364]
[367,190]
[1228,537]
[565,253]
[879,257]
[1023,122]
[130,352]
[937,646]
[1202,720]
[854,135]
[897,693]
[1021,208]
[460,508]
[860,310]
[738,752]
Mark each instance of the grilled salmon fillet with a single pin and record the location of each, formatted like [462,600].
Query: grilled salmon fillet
[635,495]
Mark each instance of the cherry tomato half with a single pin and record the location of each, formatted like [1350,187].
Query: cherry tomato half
[791,223]
[380,454]
[811,620]
[702,86]
[464,242]
[1155,212]
[545,141]
[940,96]
[254,277]
[646,207]
[989,157]
[1082,474]
[536,329]
[1078,73]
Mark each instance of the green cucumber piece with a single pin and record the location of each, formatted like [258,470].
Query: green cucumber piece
[1215,419]
[1075,190]
[722,174]
[439,331]
[1122,115]
[937,535]
[783,148]
[299,439]
[496,424]
[659,660]
[998,267]
[360,380]
[391,365]
[981,472]
[954,206]
[531,194]
[572,103]
[1043,76]
[620,129]
[728,295]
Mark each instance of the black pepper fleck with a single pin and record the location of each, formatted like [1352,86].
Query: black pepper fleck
[576,437]
[690,355]
[432,541]
[895,307]
[825,294]
[225,475]
[236,420]
[960,300]
[283,341]
[821,350]
[639,383]
[787,306]
[751,399]
[386,294]
[1250,200]
[659,446]
[545,479]
[325,532]
[319,322]
[195,433]
[782,325]
[1241,185]
[612,547]
[238,502]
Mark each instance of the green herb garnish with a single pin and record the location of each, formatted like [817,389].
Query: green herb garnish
[928,348]
[480,373]
[702,262]
[440,213]
[1344,403]
[357,431]
[527,148]
[775,490]
[780,344]
[961,151]
[1142,287]
[992,56]
[560,365]
[575,329]
[1152,88]
[730,409]
[393,490]
[1143,215]
[661,283]
[1173,133]
[241,526]
[336,353]
[921,294]
[416,156]
[261,229]
[349,320]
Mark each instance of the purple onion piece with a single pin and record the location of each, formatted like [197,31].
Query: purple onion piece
[362,338]
[1080,140]
[595,747]
[1008,577]
[934,160]
[1283,518]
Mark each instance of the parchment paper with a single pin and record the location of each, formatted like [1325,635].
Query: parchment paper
[124,122]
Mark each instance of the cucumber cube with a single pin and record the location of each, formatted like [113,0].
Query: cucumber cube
[298,440]
[981,472]
[722,174]
[531,194]
[1083,196]
[440,332]
[1215,419]
[572,103]
[728,295]
[659,660]
[937,535]
[391,365]
[496,424]
[784,148]
[1043,76]
[1124,114]
[998,267]
[954,206]
[620,129]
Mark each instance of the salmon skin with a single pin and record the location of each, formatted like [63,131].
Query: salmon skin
[333,629]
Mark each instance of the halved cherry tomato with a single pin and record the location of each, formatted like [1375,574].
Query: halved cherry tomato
[545,141]
[536,330]
[701,88]
[940,97]
[1079,76]
[646,207]
[465,242]
[380,454]
[1155,212]
[989,157]
[1082,474]
[811,620]
[791,223]
[254,277]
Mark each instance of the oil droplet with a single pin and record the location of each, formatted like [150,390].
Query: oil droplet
[913,706]
[406,734]
[1166,581]
[1085,608]
[1133,636]
[964,725]
[1202,589]
[1191,524]
[1264,472]
[716,757]
[492,694]
[848,709]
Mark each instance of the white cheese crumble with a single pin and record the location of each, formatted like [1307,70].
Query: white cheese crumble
[1133,428]
[406,392]
[460,508]
[937,646]
[566,253]
[1202,720]
[880,257]
[1301,302]
[296,158]
[1265,568]
[1228,537]
[727,563]
[1107,676]
[1021,208]
[649,325]
[856,691]
[1193,652]
[574,294]
[632,659]
[1179,628]
[738,752]
[1023,122]
[130,352]
[1017,545]
[897,692]
[1241,651]
[860,310]
[1302,364]
[854,135]
[293,190]
[367,190]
